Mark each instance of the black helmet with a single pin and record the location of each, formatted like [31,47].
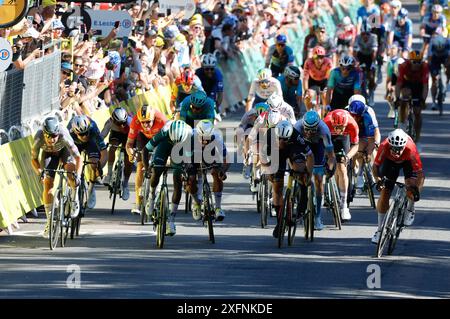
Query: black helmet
[51,126]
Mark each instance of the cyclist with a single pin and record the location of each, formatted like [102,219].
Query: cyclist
[434,23]
[174,133]
[186,84]
[397,152]
[291,85]
[288,145]
[318,137]
[344,134]
[262,87]
[209,148]
[315,77]
[401,32]
[365,12]
[391,77]
[369,134]
[87,137]
[277,104]
[196,107]
[412,82]
[118,127]
[366,48]
[346,34]
[439,55]
[243,130]
[57,147]
[147,122]
[279,56]
[344,81]
[323,40]
[427,7]
[211,79]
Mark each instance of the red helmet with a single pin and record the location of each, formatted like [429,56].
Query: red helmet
[187,77]
[318,50]
[339,118]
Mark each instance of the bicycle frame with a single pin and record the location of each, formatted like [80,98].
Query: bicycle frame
[208,209]
[115,186]
[332,199]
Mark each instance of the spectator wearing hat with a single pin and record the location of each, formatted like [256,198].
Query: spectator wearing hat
[269,26]
[279,56]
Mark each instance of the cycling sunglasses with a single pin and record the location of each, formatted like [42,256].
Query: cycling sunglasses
[47,135]
[310,130]
[83,134]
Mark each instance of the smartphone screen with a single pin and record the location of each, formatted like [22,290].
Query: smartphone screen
[147,23]
[116,24]
[30,20]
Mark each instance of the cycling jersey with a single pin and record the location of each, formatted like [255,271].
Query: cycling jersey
[65,141]
[431,25]
[212,86]
[279,61]
[290,93]
[260,123]
[136,126]
[187,115]
[351,129]
[248,119]
[366,47]
[363,13]
[94,135]
[287,112]
[341,84]
[213,152]
[317,73]
[407,75]
[409,154]
[443,53]
[401,33]
[328,45]
[178,93]
[367,123]
[110,126]
[323,134]
[257,91]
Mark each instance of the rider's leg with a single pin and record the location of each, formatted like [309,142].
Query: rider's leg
[217,187]
[417,122]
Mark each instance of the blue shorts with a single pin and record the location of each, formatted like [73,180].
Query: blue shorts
[90,148]
[319,153]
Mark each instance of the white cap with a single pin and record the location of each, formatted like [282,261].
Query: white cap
[396,3]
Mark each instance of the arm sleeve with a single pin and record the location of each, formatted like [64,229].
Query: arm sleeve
[98,137]
[251,92]
[106,128]
[332,80]
[269,54]
[36,145]
[356,83]
[184,105]
[219,79]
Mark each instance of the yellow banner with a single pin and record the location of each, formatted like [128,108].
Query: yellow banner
[12,11]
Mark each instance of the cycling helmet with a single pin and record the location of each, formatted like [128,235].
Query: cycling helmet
[346,61]
[209,60]
[275,101]
[415,55]
[339,118]
[273,118]
[402,14]
[80,124]
[187,77]
[261,107]
[318,51]
[346,21]
[119,115]
[281,38]
[436,8]
[179,131]
[292,72]
[397,138]
[264,74]
[205,129]
[284,129]
[396,4]
[439,42]
[311,120]
[357,97]
[198,99]
[50,126]
[357,108]
[146,114]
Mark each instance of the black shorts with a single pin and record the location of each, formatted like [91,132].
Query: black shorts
[119,137]
[321,84]
[141,141]
[340,100]
[365,59]
[391,170]
[295,153]
[416,89]
[52,160]
[341,144]
[91,149]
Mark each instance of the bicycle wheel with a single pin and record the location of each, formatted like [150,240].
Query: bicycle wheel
[282,219]
[187,202]
[410,126]
[335,199]
[65,217]
[264,204]
[397,228]
[369,185]
[387,229]
[311,211]
[440,94]
[55,220]
[351,185]
[161,217]
[291,218]
[115,188]
[208,212]
[145,198]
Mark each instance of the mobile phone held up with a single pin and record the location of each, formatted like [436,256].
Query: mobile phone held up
[116,24]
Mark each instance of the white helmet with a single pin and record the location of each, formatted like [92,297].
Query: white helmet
[284,129]
[346,21]
[346,60]
[264,74]
[273,118]
[275,101]
[398,138]
[205,129]
[179,131]
[436,8]
[209,60]
[357,97]
[80,124]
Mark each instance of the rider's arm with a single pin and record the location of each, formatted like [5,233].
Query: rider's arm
[106,128]
[330,87]
[184,106]
[425,76]
[251,96]
[353,131]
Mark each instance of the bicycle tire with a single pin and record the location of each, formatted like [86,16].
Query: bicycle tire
[208,215]
[410,126]
[282,219]
[369,186]
[386,230]
[291,219]
[335,204]
[397,228]
[440,95]
[115,186]
[312,210]
[54,231]
[187,202]
[264,202]
[143,207]
[161,218]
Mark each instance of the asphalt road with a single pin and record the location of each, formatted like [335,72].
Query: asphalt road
[117,257]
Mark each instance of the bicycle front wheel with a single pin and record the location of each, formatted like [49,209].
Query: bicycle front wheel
[397,228]
[291,219]
[311,211]
[208,212]
[369,185]
[335,204]
[264,204]
[115,188]
[55,220]
[389,226]
[162,217]
[282,218]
